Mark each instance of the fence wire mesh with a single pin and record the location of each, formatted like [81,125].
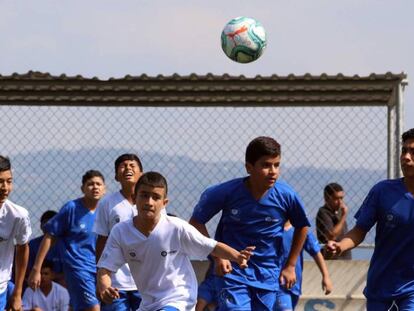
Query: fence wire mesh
[194,147]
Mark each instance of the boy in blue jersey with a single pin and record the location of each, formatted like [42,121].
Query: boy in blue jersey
[15,231]
[73,226]
[254,210]
[287,299]
[390,206]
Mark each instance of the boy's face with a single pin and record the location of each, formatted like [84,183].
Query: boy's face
[94,188]
[335,200]
[6,185]
[264,172]
[150,201]
[407,158]
[128,172]
[46,275]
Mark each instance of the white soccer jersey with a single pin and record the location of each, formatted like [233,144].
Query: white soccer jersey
[160,263]
[112,209]
[14,229]
[56,300]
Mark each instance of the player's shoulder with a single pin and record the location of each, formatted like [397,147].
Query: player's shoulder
[387,184]
[16,210]
[71,205]
[121,228]
[110,200]
[282,188]
[227,186]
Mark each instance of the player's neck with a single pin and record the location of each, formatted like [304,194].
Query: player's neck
[90,204]
[46,288]
[145,226]
[409,184]
[256,192]
[128,193]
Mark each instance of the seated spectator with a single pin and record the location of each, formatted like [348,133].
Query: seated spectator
[50,296]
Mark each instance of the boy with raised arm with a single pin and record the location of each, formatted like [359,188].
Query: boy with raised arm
[390,206]
[254,209]
[15,231]
[157,248]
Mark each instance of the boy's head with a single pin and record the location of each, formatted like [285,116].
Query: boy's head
[263,162]
[333,194]
[46,216]
[93,185]
[407,154]
[6,179]
[151,195]
[128,169]
[46,273]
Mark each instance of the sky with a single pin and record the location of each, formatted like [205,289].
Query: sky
[132,37]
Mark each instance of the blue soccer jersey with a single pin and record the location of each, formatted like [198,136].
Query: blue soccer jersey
[246,221]
[73,226]
[390,206]
[311,246]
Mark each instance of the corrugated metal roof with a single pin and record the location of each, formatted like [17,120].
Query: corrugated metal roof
[38,88]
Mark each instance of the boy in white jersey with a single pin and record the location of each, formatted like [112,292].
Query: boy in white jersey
[15,231]
[49,296]
[114,208]
[157,248]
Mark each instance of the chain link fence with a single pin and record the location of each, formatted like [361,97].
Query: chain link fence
[194,147]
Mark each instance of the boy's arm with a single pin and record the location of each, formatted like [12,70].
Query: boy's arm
[326,279]
[288,274]
[222,266]
[352,238]
[34,277]
[100,245]
[22,257]
[106,292]
[226,252]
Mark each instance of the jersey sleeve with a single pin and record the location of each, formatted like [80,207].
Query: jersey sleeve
[366,216]
[59,224]
[311,245]
[24,230]
[112,256]
[296,212]
[194,243]
[101,224]
[211,202]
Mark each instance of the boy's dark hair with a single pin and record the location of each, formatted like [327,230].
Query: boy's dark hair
[4,164]
[407,135]
[47,264]
[331,189]
[152,179]
[262,146]
[125,157]
[90,174]
[47,215]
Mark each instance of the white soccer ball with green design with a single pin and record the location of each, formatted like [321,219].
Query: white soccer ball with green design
[243,39]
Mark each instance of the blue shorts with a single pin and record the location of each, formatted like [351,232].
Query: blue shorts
[233,295]
[128,300]
[81,286]
[400,304]
[207,289]
[3,299]
[285,301]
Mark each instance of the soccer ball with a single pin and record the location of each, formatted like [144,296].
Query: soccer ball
[243,39]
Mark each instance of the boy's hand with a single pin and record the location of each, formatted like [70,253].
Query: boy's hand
[15,303]
[288,277]
[327,285]
[245,255]
[109,294]
[333,248]
[34,279]
[222,266]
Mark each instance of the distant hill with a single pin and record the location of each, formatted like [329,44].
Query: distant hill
[46,179]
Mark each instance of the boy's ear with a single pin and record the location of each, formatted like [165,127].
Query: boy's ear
[249,167]
[166,201]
